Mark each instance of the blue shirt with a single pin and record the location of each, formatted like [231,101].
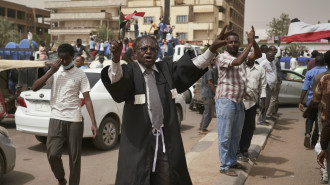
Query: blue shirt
[83,67]
[161,27]
[91,44]
[309,78]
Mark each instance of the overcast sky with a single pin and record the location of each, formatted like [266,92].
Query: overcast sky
[260,12]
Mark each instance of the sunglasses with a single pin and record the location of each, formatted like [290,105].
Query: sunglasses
[145,49]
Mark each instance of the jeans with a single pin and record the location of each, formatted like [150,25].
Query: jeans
[312,118]
[208,112]
[230,117]
[247,131]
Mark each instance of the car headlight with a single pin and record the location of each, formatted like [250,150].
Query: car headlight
[4,131]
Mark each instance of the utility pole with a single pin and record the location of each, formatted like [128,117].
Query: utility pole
[167,11]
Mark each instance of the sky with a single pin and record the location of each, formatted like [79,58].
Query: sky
[260,12]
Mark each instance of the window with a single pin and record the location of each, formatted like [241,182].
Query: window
[11,13]
[182,35]
[147,20]
[291,76]
[181,19]
[20,15]
[2,11]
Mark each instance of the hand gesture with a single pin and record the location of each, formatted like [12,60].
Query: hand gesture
[56,66]
[220,40]
[116,48]
[320,158]
[95,131]
[251,35]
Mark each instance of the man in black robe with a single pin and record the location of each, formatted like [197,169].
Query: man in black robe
[150,153]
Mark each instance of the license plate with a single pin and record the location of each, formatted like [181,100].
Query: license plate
[42,107]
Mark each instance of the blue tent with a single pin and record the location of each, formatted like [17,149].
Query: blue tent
[11,55]
[301,61]
[25,55]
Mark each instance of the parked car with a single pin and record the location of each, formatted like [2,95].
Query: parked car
[301,70]
[292,83]
[7,153]
[33,112]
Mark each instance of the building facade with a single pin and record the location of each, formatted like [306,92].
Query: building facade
[76,19]
[26,19]
[193,20]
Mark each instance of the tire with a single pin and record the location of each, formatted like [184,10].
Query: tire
[2,168]
[41,139]
[179,113]
[108,134]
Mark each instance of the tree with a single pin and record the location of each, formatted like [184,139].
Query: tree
[8,32]
[101,33]
[279,26]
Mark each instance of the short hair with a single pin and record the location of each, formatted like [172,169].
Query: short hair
[79,40]
[264,48]
[314,53]
[319,59]
[327,58]
[83,58]
[232,34]
[66,48]
[138,40]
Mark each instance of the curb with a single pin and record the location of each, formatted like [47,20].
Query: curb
[258,143]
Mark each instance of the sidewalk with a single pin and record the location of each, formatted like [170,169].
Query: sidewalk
[204,164]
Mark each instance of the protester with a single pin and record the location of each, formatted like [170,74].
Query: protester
[79,62]
[276,65]
[311,64]
[307,89]
[229,95]
[79,48]
[136,29]
[208,92]
[161,26]
[255,88]
[293,62]
[43,50]
[150,119]
[271,79]
[66,123]
[91,45]
[264,50]
[101,60]
[101,52]
[155,27]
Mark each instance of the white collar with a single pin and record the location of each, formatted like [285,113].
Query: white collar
[143,68]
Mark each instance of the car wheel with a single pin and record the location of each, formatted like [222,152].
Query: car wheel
[2,167]
[41,139]
[108,135]
[179,113]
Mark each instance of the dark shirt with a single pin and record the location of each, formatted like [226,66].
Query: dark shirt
[325,135]
[206,89]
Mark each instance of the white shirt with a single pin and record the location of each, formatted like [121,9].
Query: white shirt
[256,85]
[64,100]
[293,63]
[102,46]
[270,73]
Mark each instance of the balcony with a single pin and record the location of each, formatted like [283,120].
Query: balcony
[221,16]
[75,30]
[80,16]
[203,9]
[82,4]
[203,26]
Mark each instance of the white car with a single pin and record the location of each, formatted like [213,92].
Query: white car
[33,112]
[7,153]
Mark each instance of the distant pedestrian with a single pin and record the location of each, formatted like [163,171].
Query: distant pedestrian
[91,45]
[136,29]
[208,92]
[161,26]
[155,27]
[79,49]
[293,62]
[255,88]
[79,62]
[66,122]
[271,83]
[101,48]
[101,60]
[311,64]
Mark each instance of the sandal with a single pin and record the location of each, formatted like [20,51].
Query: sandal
[229,172]
[238,166]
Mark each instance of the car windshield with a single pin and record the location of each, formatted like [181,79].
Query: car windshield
[92,78]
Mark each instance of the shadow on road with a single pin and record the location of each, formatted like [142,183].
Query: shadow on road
[20,178]
[87,148]
[266,172]
[275,160]
[186,127]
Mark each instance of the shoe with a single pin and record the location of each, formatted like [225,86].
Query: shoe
[62,182]
[229,172]
[307,141]
[204,131]
[243,159]
[239,167]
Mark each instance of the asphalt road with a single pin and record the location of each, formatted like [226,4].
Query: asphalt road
[98,167]
[284,159]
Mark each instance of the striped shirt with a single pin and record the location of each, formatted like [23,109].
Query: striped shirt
[232,79]
[42,53]
[64,100]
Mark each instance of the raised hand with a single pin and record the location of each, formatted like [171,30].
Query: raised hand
[251,35]
[56,65]
[220,40]
[116,48]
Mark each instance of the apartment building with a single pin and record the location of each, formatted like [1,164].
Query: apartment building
[76,19]
[26,19]
[194,20]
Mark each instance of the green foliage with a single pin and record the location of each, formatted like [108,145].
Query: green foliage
[8,32]
[101,33]
[295,48]
[279,26]
[45,37]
